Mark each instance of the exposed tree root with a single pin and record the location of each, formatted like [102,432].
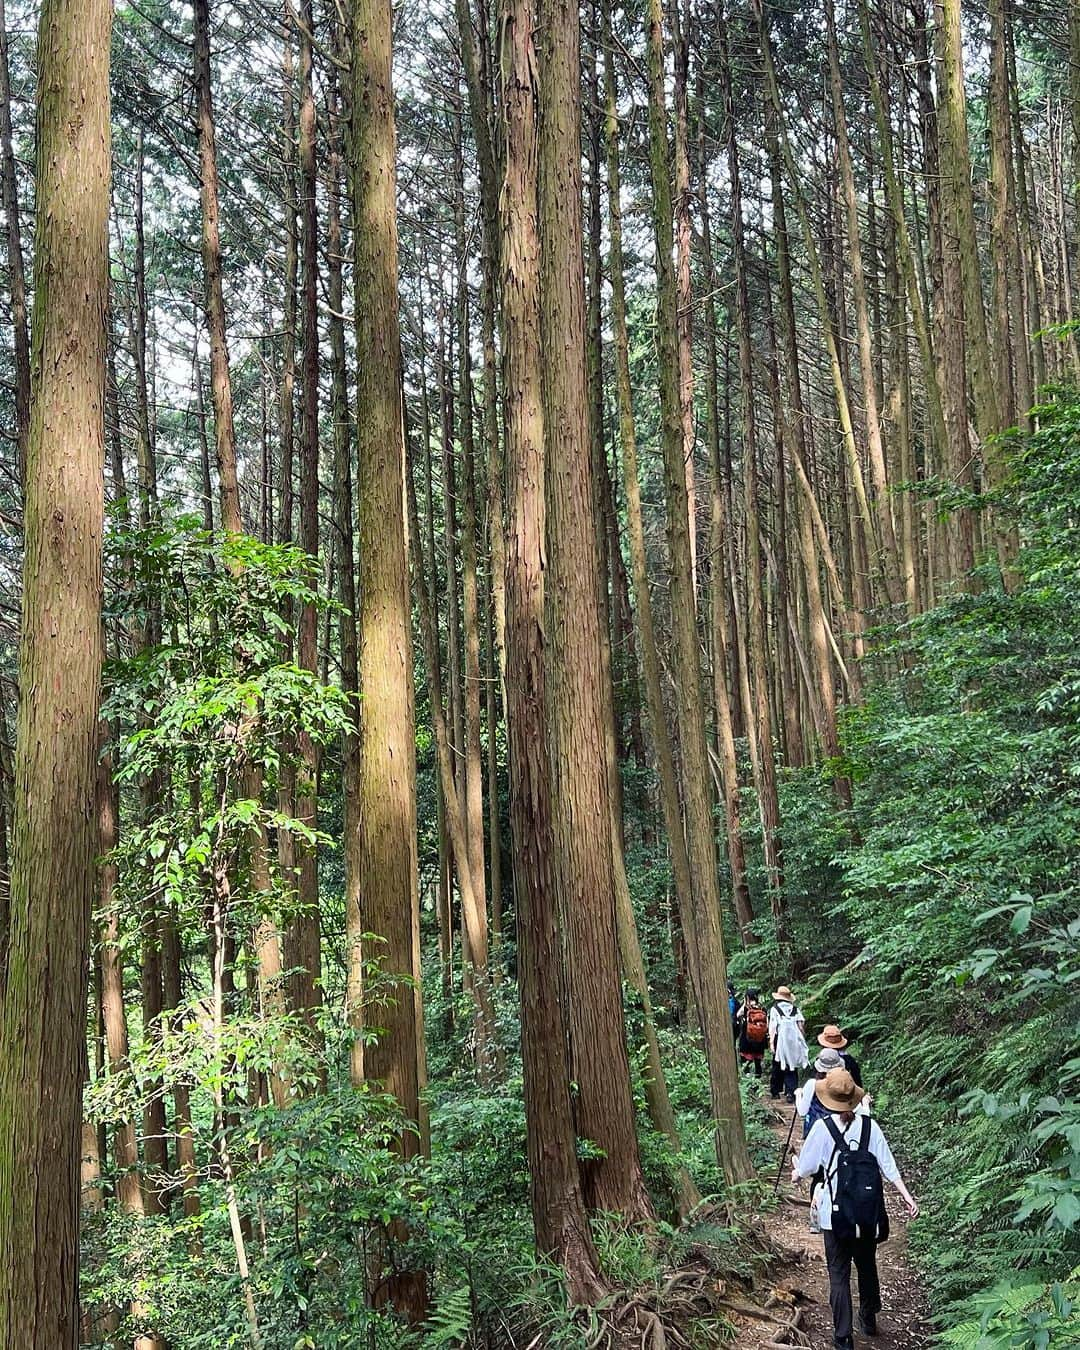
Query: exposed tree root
[670,1315]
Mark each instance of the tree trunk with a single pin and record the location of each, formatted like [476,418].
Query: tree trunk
[708,961]
[650,658]
[475,915]
[346,588]
[302,939]
[220,384]
[679,14]
[558,1207]
[125,1149]
[604,1108]
[16,270]
[833,348]
[886,532]
[720,589]
[825,687]
[151,790]
[455,810]
[266,940]
[977,342]
[388,880]
[762,728]
[54,834]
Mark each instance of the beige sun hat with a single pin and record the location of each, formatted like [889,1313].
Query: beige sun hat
[832,1037]
[838,1091]
[784,995]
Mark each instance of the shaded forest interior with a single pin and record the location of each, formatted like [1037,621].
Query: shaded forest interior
[515,515]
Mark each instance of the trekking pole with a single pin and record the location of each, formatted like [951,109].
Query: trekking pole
[783,1156]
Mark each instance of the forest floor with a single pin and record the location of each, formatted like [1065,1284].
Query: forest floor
[800,1278]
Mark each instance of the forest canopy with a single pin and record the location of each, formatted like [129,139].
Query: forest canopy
[519,523]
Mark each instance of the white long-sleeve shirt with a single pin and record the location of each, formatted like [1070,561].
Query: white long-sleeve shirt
[820,1149]
[786,1036]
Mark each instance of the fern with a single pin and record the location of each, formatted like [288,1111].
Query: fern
[450,1323]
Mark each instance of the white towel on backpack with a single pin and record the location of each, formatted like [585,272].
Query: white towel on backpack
[786,1024]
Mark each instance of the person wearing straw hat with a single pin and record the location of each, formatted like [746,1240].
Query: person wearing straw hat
[787,1043]
[832,1038]
[807,1103]
[844,1127]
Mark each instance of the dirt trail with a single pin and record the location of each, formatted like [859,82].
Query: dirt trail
[801,1276]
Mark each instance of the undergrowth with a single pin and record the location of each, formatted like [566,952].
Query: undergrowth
[939,921]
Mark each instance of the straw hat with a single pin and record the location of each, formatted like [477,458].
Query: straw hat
[828,1060]
[832,1037]
[837,1091]
[784,995]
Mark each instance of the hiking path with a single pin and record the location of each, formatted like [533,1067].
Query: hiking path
[799,1277]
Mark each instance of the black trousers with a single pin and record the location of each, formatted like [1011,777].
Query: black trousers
[782,1080]
[839,1255]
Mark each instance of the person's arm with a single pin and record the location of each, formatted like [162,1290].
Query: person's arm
[810,1159]
[879,1147]
[910,1203]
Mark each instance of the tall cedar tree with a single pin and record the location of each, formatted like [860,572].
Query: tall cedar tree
[558,1206]
[54,834]
[604,1105]
[388,876]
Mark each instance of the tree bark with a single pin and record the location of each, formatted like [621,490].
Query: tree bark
[558,1207]
[303,953]
[604,1108]
[388,865]
[16,269]
[346,587]
[54,834]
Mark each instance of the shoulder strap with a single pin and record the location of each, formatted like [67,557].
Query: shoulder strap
[834,1130]
[864,1135]
[832,1167]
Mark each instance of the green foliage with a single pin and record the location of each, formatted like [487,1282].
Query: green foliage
[940,922]
[1025,1316]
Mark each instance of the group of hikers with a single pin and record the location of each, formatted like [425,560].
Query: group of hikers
[845,1155]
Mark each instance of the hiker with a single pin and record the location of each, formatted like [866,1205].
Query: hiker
[787,1043]
[733,1010]
[753,1033]
[851,1214]
[832,1038]
[806,1100]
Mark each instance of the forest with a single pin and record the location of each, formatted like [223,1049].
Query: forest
[519,523]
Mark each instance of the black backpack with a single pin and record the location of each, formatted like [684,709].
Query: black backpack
[858,1196]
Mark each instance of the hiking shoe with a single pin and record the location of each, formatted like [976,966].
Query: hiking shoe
[790,1099]
[846,1343]
[867,1323]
